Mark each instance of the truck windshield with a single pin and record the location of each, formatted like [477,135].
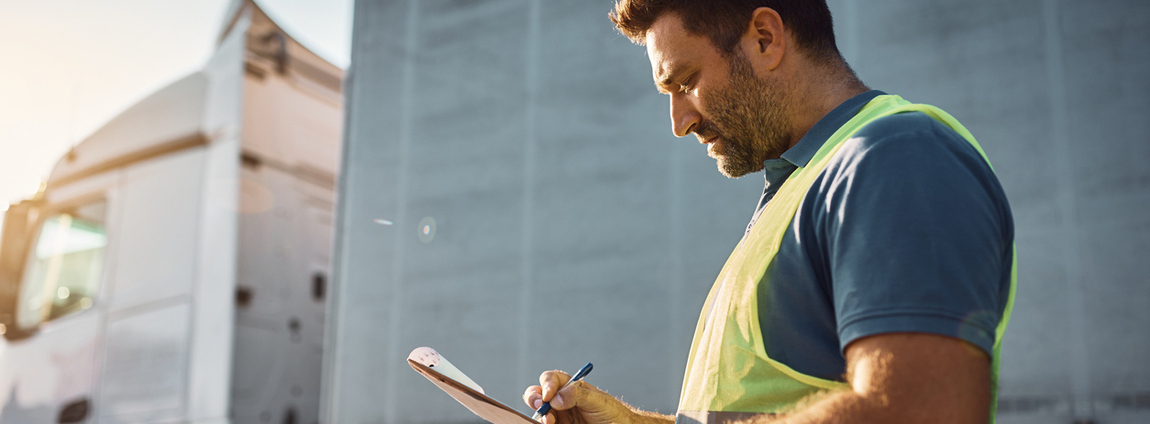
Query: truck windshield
[63,270]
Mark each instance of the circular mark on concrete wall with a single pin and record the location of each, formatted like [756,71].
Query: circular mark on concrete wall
[426,229]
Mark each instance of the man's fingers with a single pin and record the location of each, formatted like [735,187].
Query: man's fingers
[533,397]
[566,398]
[551,382]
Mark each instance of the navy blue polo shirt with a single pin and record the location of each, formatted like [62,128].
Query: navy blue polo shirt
[906,230]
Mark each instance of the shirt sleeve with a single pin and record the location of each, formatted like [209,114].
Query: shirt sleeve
[918,234]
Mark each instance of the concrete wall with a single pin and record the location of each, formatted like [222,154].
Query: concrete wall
[543,216]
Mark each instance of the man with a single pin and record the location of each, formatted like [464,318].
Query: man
[875,279]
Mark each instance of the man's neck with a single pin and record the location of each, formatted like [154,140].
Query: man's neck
[818,94]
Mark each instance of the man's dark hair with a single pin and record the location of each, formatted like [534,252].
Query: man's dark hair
[724,21]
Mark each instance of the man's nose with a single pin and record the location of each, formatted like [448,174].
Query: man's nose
[684,115]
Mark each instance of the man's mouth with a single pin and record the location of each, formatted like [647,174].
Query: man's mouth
[711,143]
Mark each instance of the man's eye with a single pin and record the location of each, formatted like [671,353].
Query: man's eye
[686,85]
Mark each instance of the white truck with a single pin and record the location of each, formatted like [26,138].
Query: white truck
[174,268]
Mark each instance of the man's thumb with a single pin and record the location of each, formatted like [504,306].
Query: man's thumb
[565,399]
[559,402]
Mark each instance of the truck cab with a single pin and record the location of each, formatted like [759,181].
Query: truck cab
[174,266]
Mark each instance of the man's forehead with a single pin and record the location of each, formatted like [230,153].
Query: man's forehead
[658,62]
[668,41]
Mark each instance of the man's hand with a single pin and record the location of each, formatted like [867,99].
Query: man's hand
[582,403]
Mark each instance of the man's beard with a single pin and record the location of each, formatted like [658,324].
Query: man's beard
[747,116]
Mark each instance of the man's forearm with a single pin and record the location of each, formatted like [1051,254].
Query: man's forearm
[639,416]
[839,406]
[849,407]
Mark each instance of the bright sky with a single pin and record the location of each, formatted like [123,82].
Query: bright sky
[68,66]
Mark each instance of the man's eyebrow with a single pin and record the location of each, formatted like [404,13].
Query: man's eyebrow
[668,79]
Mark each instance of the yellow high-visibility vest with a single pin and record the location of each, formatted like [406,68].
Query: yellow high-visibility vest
[729,375]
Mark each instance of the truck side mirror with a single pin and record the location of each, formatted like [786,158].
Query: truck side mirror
[15,236]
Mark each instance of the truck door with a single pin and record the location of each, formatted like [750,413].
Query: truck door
[48,364]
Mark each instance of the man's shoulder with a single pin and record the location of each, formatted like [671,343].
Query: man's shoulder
[899,138]
[905,126]
[908,154]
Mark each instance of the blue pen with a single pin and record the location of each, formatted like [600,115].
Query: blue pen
[543,410]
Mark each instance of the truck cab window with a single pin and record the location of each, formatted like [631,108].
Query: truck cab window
[63,270]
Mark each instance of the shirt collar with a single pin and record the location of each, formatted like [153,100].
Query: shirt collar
[802,152]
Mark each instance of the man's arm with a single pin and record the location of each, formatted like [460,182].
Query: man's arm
[894,378]
[904,378]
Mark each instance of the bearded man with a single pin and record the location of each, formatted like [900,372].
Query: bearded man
[875,280]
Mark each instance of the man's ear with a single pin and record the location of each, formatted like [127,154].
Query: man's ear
[765,40]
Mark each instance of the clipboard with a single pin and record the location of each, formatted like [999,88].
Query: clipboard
[485,407]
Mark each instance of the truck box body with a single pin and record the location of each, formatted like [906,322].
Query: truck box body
[174,269]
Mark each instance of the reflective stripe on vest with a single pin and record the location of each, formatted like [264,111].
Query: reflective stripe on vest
[729,374]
